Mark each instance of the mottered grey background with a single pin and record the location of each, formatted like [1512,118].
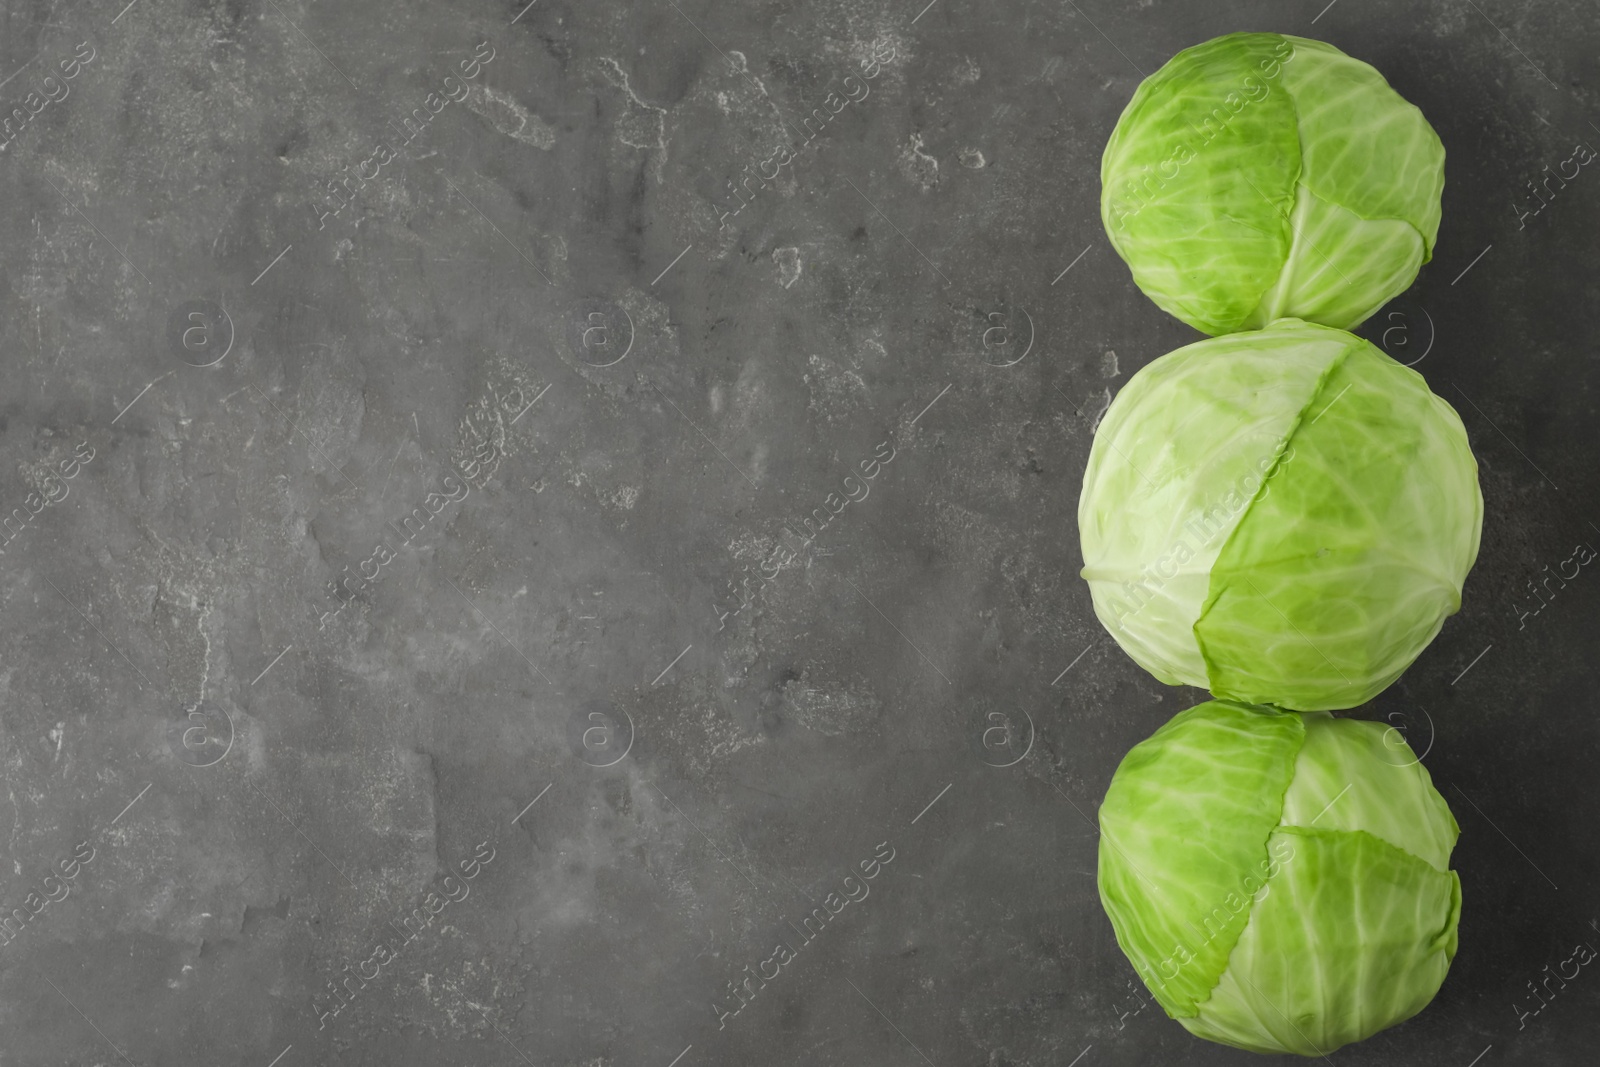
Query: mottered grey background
[412,414]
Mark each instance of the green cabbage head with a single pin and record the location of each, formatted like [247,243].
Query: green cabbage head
[1284,517]
[1281,882]
[1260,175]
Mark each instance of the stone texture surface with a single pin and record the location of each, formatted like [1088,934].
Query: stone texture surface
[580,403]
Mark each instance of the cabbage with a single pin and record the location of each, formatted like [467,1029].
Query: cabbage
[1283,517]
[1278,883]
[1260,175]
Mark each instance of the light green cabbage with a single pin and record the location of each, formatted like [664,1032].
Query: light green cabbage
[1282,517]
[1281,882]
[1260,175]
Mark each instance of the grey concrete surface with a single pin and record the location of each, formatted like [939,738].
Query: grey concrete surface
[432,535]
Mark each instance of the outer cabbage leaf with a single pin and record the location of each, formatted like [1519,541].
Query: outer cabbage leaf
[1352,937]
[1183,829]
[1364,145]
[1207,236]
[1346,565]
[1341,267]
[1351,774]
